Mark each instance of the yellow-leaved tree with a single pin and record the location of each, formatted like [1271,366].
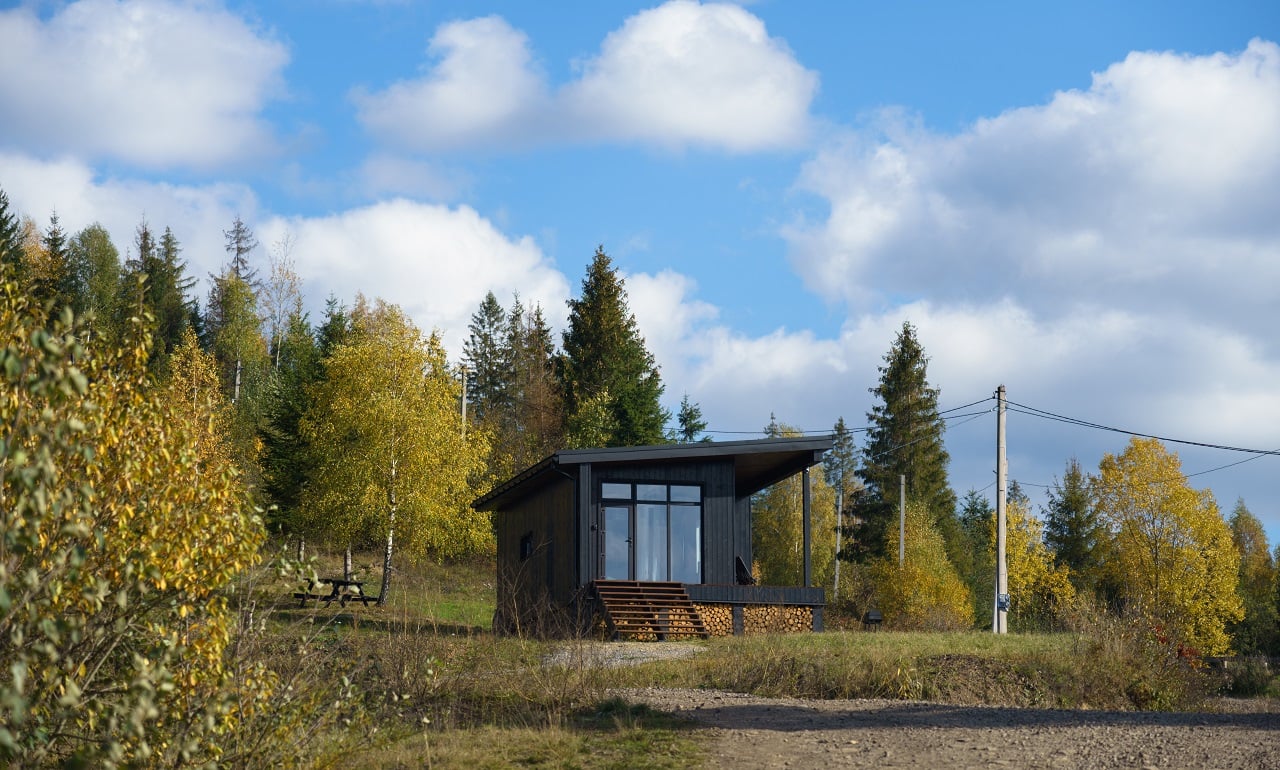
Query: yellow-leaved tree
[1173,558]
[777,527]
[925,591]
[123,525]
[1039,591]
[391,455]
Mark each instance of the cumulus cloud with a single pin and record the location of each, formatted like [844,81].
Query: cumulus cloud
[161,84]
[434,261]
[484,88]
[681,74]
[1150,190]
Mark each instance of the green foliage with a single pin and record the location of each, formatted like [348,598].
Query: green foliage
[977,522]
[605,363]
[691,422]
[98,276]
[1173,559]
[924,592]
[11,240]
[904,438]
[123,526]
[487,355]
[1259,631]
[777,529]
[1073,531]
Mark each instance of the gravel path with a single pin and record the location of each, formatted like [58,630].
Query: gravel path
[754,732]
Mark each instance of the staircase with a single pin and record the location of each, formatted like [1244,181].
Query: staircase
[644,610]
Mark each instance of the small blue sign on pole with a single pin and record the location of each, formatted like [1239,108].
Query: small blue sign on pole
[1002,602]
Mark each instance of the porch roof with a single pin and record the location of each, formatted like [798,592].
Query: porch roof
[757,463]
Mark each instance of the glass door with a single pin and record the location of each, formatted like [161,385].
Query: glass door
[617,542]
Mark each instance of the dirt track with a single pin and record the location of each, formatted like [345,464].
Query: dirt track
[753,732]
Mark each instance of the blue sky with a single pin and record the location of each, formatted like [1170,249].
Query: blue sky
[1076,200]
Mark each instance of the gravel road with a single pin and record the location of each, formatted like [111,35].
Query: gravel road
[754,732]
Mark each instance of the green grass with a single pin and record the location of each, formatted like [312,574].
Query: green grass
[435,687]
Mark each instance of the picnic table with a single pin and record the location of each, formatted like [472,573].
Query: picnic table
[341,591]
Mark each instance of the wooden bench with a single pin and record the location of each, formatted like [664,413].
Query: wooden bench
[341,591]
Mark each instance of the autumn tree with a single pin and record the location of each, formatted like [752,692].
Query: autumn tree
[777,526]
[390,456]
[905,438]
[122,527]
[924,591]
[605,369]
[1258,632]
[1172,557]
[1039,590]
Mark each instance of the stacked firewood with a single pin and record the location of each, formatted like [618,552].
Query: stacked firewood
[718,618]
[766,619]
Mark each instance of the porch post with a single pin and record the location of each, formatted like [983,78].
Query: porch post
[808,531]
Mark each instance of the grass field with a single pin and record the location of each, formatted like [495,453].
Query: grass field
[422,682]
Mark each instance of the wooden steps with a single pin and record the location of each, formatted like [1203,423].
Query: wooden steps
[645,610]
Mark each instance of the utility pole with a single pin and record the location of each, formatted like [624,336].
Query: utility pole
[902,519]
[999,619]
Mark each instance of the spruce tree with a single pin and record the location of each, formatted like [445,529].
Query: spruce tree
[605,370]
[240,243]
[1072,529]
[535,425]
[11,241]
[691,422]
[487,355]
[58,284]
[904,438]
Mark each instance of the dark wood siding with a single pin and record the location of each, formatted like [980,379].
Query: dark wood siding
[547,518]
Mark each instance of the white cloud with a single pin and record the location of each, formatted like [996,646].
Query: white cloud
[1149,191]
[484,88]
[688,73]
[151,82]
[197,214]
[435,262]
[681,74]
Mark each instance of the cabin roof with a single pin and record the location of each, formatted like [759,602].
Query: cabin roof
[757,464]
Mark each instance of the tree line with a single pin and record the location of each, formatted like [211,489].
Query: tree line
[1132,538]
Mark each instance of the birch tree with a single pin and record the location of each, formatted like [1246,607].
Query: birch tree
[387,436]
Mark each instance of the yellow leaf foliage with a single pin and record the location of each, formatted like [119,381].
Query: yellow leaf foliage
[925,592]
[123,525]
[1039,591]
[1173,556]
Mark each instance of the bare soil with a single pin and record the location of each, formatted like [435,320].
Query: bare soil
[754,732]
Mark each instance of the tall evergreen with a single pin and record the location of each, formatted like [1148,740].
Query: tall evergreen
[904,438]
[11,240]
[606,374]
[535,425]
[1072,529]
[58,283]
[156,274]
[487,355]
[977,521]
[286,457]
[240,243]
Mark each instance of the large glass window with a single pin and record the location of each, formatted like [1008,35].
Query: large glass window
[652,532]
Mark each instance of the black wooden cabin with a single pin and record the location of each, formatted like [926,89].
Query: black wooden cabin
[584,522]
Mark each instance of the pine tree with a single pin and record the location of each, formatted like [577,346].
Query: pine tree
[605,365]
[1072,529]
[905,438]
[535,427]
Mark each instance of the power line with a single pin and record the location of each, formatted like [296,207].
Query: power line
[1046,415]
